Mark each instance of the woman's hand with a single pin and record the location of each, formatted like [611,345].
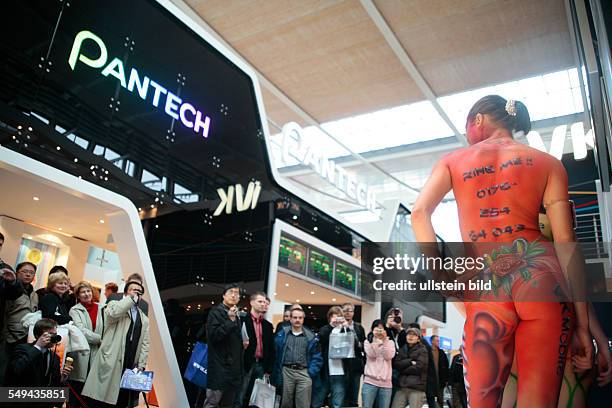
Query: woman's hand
[582,350]
[604,364]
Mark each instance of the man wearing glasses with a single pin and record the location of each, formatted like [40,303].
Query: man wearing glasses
[354,366]
[225,350]
[16,309]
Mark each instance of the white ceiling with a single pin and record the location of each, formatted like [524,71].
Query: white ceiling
[75,214]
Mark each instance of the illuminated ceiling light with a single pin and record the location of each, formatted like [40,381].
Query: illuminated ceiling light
[310,307]
[333,299]
[558,141]
[213,302]
[286,284]
[35,198]
[58,148]
[316,228]
[30,128]
[156,226]
[59,229]
[19,127]
[295,217]
[312,292]
[101,221]
[139,209]
[76,160]
[274,293]
[156,199]
[152,205]
[578,141]
[297,300]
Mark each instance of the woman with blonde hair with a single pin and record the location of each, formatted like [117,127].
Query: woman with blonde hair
[51,305]
[86,315]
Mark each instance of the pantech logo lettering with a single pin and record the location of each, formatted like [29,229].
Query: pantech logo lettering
[243,201]
[146,88]
[580,141]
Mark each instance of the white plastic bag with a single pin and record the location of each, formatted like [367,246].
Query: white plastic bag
[342,345]
[263,394]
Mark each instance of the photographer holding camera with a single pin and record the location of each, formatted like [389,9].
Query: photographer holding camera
[36,364]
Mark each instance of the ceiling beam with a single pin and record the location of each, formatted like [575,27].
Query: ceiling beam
[278,93]
[409,65]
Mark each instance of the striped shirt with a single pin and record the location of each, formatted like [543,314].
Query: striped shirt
[296,349]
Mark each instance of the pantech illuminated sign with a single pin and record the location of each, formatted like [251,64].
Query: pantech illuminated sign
[295,146]
[146,88]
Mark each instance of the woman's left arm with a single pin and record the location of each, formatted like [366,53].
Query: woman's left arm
[438,184]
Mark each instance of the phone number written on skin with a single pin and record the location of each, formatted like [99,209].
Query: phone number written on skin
[31,394]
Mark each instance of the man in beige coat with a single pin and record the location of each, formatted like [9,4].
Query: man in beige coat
[125,336]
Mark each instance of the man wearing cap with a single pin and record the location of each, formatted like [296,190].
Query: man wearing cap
[225,350]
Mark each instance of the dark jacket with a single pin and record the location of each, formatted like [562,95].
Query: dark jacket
[268,344]
[315,360]
[348,364]
[431,388]
[411,363]
[26,368]
[53,307]
[442,368]
[456,371]
[225,351]
[8,291]
[69,298]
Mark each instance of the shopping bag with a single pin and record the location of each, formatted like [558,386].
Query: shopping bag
[263,394]
[342,345]
[197,369]
[135,380]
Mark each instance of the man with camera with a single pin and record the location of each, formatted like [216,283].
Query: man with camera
[36,364]
[225,350]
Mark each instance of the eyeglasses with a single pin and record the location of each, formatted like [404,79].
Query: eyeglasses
[28,273]
[233,292]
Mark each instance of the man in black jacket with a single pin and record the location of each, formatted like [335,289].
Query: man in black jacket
[259,354]
[440,362]
[355,365]
[36,365]
[432,380]
[225,352]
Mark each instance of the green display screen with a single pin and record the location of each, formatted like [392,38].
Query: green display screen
[320,266]
[292,255]
[346,276]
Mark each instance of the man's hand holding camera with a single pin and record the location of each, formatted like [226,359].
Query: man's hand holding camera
[232,313]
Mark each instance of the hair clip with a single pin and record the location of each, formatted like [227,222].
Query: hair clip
[511,107]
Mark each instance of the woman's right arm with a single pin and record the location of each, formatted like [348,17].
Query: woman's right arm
[569,254]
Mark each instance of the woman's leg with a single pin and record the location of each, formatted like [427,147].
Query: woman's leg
[488,348]
[384,398]
[400,399]
[543,339]
[368,395]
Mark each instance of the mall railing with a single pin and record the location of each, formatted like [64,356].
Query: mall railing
[589,233]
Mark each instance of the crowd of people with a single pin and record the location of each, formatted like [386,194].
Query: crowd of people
[117,333]
[392,364]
